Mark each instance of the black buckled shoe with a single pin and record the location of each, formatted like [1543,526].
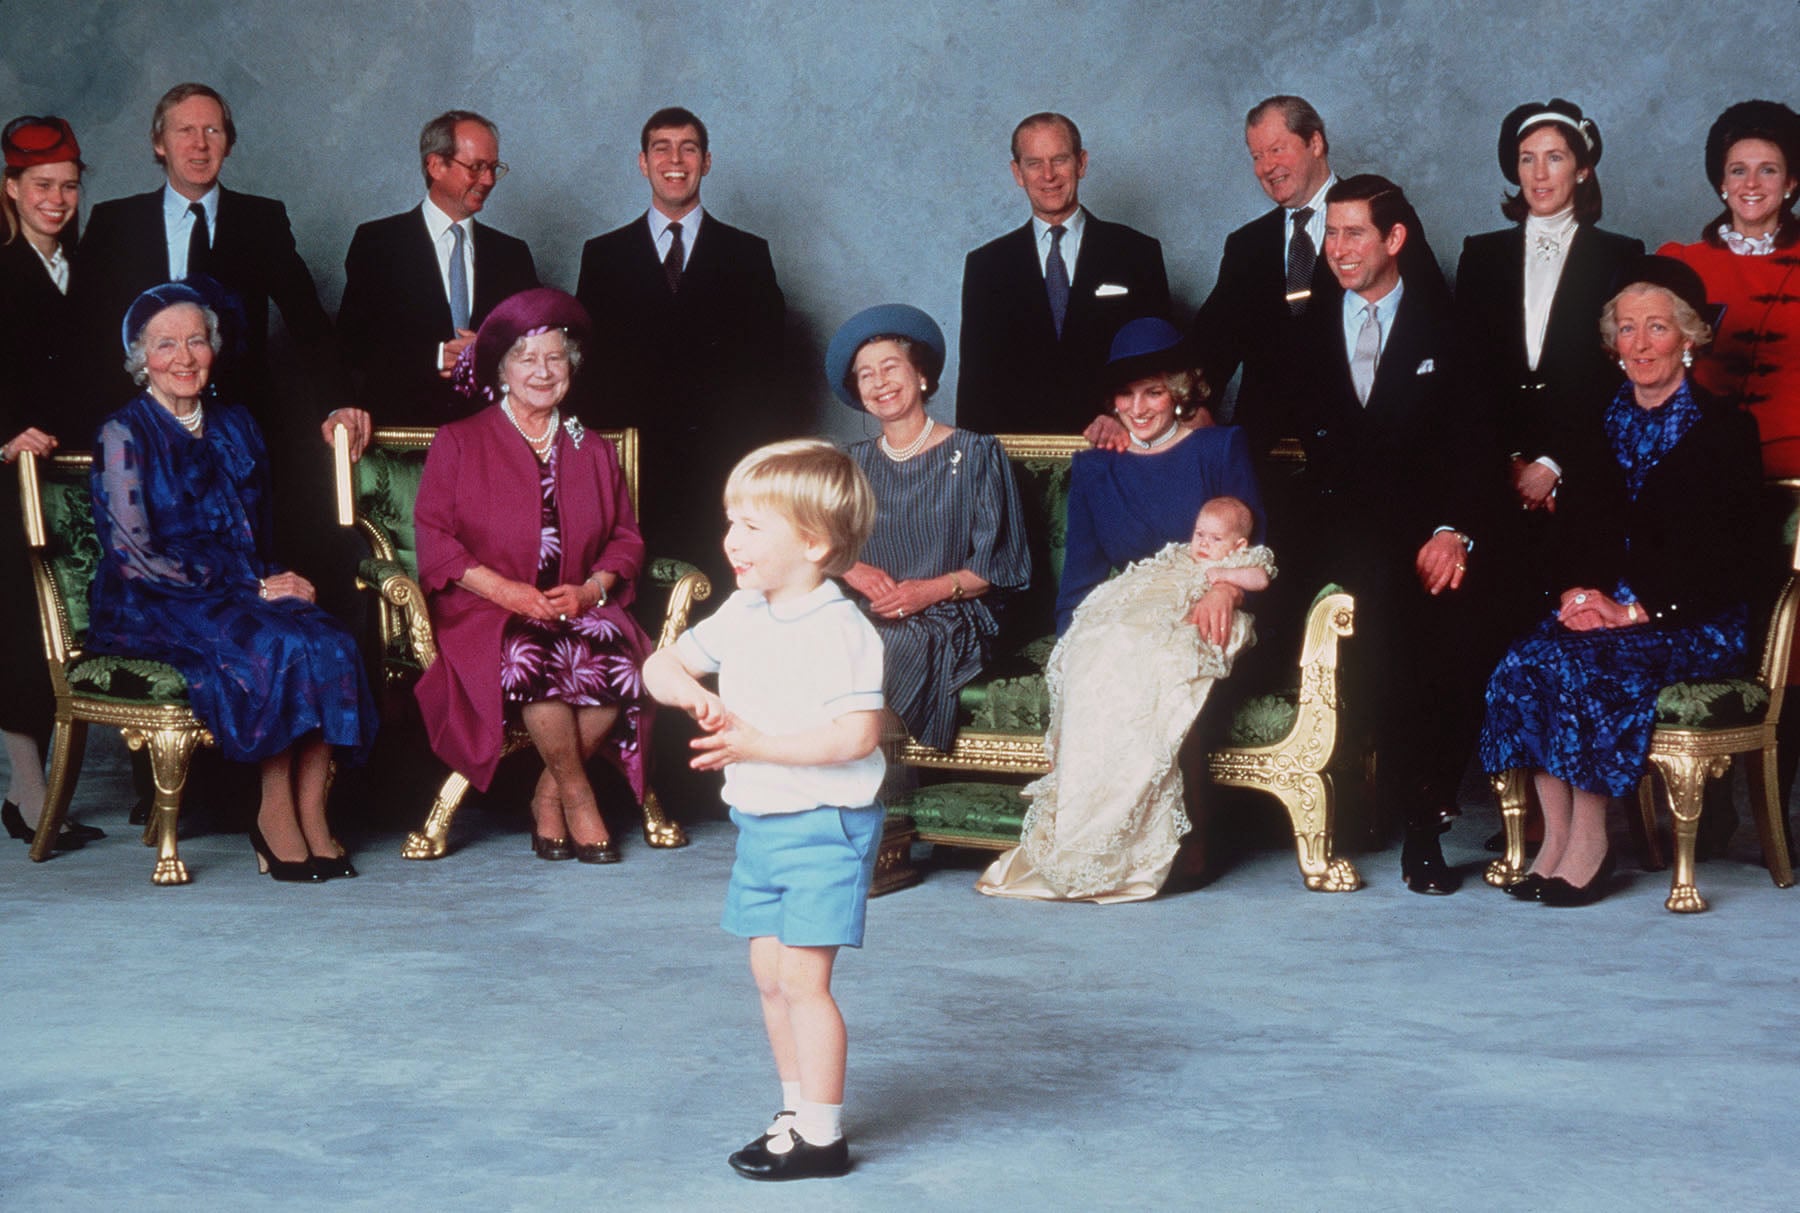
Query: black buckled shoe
[786,1155]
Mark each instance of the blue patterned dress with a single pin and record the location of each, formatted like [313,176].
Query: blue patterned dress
[183,523]
[1582,705]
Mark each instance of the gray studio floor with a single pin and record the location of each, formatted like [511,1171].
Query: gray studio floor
[494,1032]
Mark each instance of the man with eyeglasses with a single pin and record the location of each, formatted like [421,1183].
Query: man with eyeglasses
[418,284]
[1041,304]
[194,225]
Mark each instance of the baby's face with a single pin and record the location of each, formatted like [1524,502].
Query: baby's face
[1216,535]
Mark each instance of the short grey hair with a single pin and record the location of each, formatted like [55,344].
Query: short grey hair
[1693,328]
[438,137]
[137,359]
[571,347]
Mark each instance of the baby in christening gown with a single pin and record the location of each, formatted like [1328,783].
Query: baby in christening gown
[1127,681]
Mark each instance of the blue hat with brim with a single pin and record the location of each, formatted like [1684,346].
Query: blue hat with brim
[882,320]
[1142,348]
[157,299]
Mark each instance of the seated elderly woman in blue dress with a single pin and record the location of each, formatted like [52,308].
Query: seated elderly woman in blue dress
[949,543]
[1657,563]
[181,505]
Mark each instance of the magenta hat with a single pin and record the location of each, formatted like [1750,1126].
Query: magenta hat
[523,315]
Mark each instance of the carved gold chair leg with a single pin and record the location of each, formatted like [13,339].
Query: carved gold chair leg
[1308,798]
[1771,816]
[434,840]
[67,744]
[1513,788]
[659,831]
[170,750]
[1685,776]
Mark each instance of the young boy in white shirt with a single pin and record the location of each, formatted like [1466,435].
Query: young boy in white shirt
[795,726]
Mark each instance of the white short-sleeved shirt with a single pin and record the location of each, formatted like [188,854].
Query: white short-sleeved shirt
[792,669]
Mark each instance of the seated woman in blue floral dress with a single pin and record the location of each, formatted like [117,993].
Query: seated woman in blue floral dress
[1657,573]
[181,505]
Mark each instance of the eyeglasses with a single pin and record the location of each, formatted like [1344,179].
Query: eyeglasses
[482,167]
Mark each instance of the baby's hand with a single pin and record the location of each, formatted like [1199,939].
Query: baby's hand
[729,741]
[708,711]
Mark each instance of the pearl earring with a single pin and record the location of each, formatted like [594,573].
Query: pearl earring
[505,388]
[1724,197]
[1687,357]
[923,386]
[1622,364]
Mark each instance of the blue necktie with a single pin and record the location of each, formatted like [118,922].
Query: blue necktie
[459,281]
[1056,279]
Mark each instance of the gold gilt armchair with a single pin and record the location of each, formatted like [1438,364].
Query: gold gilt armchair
[376,495]
[145,700]
[1700,726]
[1280,744]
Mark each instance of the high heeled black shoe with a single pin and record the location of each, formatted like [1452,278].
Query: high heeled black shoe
[334,867]
[72,837]
[550,848]
[1560,893]
[293,871]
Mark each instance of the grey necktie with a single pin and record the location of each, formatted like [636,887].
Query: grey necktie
[1301,257]
[1368,353]
[199,241]
[672,262]
[1056,279]
[459,280]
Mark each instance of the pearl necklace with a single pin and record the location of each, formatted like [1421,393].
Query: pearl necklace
[902,454]
[1162,439]
[539,446]
[192,422]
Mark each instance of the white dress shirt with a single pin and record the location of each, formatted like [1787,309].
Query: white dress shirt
[1315,225]
[1071,241]
[178,226]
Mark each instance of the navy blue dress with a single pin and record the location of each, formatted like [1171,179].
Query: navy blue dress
[1582,705]
[182,523]
[1124,507]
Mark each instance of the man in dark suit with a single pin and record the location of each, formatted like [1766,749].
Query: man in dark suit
[688,324]
[194,225]
[1399,479]
[1040,305]
[418,284]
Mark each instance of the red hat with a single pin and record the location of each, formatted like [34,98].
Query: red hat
[32,141]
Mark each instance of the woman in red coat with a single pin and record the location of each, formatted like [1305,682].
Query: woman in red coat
[530,553]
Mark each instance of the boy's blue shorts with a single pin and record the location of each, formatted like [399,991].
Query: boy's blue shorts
[804,877]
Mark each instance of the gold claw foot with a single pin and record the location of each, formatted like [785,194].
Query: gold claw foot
[1502,875]
[1685,899]
[422,846]
[665,834]
[170,871]
[1339,876]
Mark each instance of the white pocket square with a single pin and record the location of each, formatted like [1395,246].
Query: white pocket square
[1108,289]
[1426,367]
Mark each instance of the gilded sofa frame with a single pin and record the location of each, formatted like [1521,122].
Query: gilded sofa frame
[1686,758]
[1293,769]
[405,621]
[170,732]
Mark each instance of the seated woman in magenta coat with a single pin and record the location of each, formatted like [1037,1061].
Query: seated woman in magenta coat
[530,552]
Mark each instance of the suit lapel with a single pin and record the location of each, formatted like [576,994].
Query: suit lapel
[1398,371]
[1022,254]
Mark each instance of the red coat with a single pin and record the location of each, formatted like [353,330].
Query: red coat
[479,503]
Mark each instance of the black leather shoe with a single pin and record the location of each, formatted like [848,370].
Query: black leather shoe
[333,867]
[550,848]
[787,1155]
[1529,889]
[289,871]
[72,837]
[596,852]
[1422,864]
[756,1153]
[1559,892]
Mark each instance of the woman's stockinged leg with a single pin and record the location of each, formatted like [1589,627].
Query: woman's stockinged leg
[1587,838]
[26,763]
[1557,800]
[277,818]
[312,778]
[555,730]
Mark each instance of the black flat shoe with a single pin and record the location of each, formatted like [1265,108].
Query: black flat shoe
[596,852]
[1423,866]
[756,1153]
[290,871]
[71,838]
[1560,893]
[787,1155]
[550,848]
[1531,888]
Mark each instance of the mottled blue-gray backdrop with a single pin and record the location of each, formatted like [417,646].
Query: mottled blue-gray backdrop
[867,140]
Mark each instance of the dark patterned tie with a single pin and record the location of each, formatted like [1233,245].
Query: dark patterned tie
[672,262]
[1056,279]
[199,241]
[1301,256]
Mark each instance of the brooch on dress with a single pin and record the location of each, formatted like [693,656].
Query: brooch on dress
[955,458]
[575,430]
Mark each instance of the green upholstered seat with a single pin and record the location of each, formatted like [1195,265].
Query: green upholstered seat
[984,813]
[1726,703]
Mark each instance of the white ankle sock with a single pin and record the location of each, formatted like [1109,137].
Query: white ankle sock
[819,1124]
[790,1095]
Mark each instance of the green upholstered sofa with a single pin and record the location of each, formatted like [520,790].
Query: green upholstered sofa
[1279,744]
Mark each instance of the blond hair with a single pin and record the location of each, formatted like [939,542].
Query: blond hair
[1234,510]
[817,488]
